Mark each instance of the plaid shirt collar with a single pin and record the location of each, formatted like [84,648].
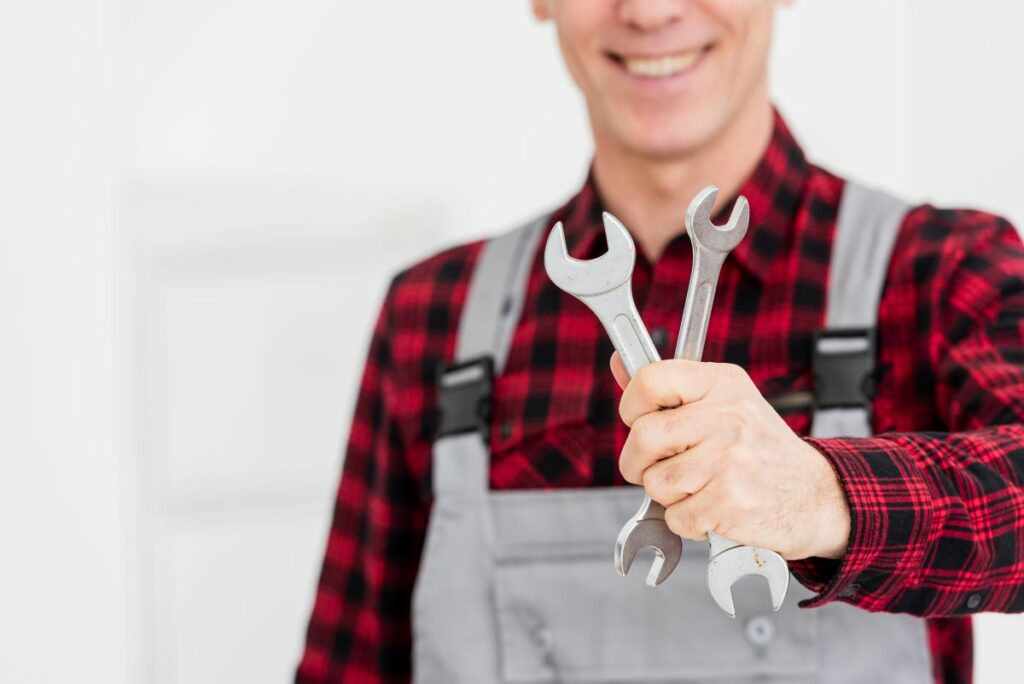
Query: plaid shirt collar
[773,190]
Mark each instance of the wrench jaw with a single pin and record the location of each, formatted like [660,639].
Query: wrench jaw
[587,278]
[639,534]
[716,238]
[618,238]
[727,567]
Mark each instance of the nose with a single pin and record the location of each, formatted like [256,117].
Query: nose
[650,15]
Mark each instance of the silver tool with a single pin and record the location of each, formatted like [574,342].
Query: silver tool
[604,285]
[729,561]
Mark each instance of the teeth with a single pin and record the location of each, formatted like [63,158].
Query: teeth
[660,67]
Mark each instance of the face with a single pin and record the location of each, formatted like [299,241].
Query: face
[662,78]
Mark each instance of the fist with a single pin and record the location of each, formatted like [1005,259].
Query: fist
[706,445]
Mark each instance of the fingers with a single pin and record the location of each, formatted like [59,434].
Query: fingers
[692,517]
[726,505]
[678,477]
[676,382]
[664,434]
[619,370]
[712,508]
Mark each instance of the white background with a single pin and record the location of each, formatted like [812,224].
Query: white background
[200,202]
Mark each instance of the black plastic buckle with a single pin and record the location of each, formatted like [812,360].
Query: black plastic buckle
[464,397]
[844,368]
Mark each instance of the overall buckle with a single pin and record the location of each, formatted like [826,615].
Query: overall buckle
[464,392]
[844,368]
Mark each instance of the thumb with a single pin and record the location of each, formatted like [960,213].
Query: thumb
[619,370]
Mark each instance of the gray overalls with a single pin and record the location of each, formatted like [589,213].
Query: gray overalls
[518,586]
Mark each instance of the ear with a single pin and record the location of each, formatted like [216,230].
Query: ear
[541,10]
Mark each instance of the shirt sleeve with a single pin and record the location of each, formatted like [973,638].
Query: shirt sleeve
[359,630]
[938,517]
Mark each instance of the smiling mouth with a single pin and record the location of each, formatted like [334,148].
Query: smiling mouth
[663,66]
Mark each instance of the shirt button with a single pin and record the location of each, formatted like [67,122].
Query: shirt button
[659,335]
[850,591]
[760,630]
[973,601]
[541,637]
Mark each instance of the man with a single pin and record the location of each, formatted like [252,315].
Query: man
[514,582]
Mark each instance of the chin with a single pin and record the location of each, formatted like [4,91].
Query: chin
[667,136]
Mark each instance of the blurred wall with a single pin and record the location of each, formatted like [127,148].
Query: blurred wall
[200,205]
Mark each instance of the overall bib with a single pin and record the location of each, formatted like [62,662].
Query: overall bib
[519,586]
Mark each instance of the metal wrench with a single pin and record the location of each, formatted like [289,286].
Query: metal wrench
[728,561]
[604,285]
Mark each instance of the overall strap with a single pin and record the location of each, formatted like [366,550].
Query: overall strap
[496,292]
[844,351]
[494,302]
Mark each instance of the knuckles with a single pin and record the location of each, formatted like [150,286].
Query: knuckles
[630,473]
[640,389]
[648,382]
[635,455]
[744,414]
[742,420]
[662,482]
[644,433]
[688,522]
[652,481]
[733,374]
[682,522]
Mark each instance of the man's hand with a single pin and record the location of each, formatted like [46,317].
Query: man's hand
[719,457]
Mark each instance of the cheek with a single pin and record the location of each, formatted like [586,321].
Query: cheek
[746,27]
[733,15]
[579,23]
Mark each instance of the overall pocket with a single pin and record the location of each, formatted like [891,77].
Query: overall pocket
[564,615]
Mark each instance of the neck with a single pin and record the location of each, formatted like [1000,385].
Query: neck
[650,195]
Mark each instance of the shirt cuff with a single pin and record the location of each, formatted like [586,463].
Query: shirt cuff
[890,515]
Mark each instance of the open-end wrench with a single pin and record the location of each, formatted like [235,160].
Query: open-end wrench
[604,285]
[729,561]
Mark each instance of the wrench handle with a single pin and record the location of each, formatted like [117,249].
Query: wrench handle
[693,330]
[650,510]
[692,333]
[631,339]
[700,296]
[719,543]
[621,320]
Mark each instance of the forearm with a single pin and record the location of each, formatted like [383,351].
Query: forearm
[936,526]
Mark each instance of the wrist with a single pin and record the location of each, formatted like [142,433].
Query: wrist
[835,524]
[832,512]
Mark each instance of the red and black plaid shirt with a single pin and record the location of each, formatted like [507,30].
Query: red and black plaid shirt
[937,498]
